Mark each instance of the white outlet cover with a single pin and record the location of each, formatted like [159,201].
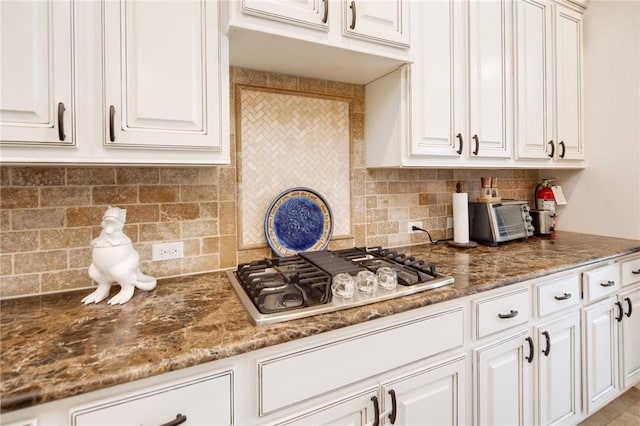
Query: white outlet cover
[167,251]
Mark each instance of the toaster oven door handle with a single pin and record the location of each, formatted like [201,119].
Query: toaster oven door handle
[511,314]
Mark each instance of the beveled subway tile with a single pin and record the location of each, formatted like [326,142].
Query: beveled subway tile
[17,241]
[142,213]
[65,196]
[190,193]
[178,175]
[37,218]
[179,212]
[208,210]
[312,85]
[91,176]
[228,251]
[137,175]
[212,245]
[199,228]
[18,198]
[40,261]
[282,81]
[20,285]
[80,257]
[66,280]
[159,231]
[205,263]
[159,193]
[114,195]
[6,264]
[64,238]
[192,247]
[84,216]
[37,176]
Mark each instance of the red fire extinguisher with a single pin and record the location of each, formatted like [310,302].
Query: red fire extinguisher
[544,196]
[546,201]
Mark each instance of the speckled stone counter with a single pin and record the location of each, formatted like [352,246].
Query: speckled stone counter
[54,347]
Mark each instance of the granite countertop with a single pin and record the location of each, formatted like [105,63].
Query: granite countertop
[54,347]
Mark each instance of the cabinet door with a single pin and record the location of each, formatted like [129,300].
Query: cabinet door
[203,401]
[354,410]
[383,21]
[600,353]
[437,81]
[490,79]
[502,394]
[36,106]
[162,77]
[534,79]
[630,337]
[568,75]
[432,396]
[308,13]
[559,371]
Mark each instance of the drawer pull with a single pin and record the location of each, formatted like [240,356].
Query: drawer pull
[563,297]
[180,418]
[609,283]
[628,300]
[509,315]
[530,357]
[547,350]
[376,411]
[620,311]
[477,145]
[392,416]
[636,272]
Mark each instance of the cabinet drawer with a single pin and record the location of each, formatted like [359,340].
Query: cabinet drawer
[555,295]
[204,400]
[298,376]
[601,282]
[501,312]
[630,271]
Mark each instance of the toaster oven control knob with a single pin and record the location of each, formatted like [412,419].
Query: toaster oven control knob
[526,208]
[530,228]
[528,218]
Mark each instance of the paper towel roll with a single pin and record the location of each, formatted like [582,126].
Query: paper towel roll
[460,217]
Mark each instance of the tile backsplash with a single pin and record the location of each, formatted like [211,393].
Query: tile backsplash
[49,215]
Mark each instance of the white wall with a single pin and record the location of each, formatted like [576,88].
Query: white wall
[604,199]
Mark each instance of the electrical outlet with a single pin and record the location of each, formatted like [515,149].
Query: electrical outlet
[166,251]
[450,222]
[411,225]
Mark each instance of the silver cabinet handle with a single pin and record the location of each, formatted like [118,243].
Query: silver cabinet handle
[608,283]
[509,315]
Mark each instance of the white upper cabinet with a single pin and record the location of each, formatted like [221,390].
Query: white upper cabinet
[349,41]
[114,82]
[161,77]
[459,90]
[312,13]
[549,82]
[36,73]
[568,71]
[375,20]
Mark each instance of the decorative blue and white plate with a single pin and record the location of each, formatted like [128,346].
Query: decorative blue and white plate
[299,219]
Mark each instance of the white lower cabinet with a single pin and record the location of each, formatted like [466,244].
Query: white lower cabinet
[600,353]
[431,396]
[503,389]
[558,375]
[629,337]
[205,400]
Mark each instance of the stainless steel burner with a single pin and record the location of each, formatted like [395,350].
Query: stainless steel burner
[282,289]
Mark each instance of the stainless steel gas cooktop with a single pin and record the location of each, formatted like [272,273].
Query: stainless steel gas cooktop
[287,288]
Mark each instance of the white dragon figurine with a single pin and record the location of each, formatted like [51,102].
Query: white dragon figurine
[114,260]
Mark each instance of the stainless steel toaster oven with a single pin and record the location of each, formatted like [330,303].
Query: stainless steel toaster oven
[493,223]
